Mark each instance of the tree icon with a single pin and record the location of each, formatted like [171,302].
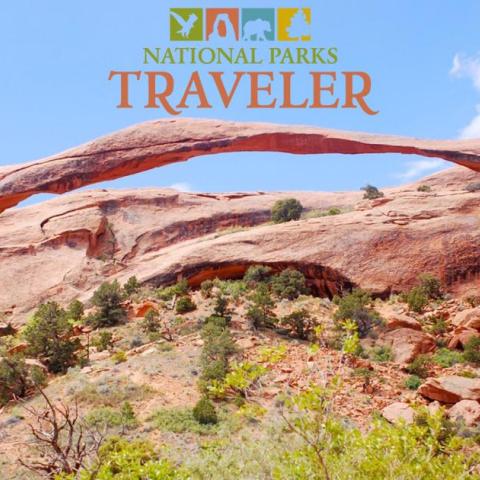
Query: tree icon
[299,26]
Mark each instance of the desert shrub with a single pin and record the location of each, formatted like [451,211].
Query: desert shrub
[17,379]
[119,357]
[75,311]
[381,354]
[206,288]
[416,299]
[437,325]
[220,308]
[238,381]
[472,300]
[473,187]
[289,284]
[350,341]
[446,358]
[48,335]
[179,289]
[121,459]
[180,420]
[419,366]
[371,192]
[286,210]
[185,305]
[259,312]
[300,322]
[131,286]
[151,322]
[108,300]
[103,341]
[431,286]
[413,382]
[471,351]
[424,188]
[108,417]
[257,274]
[355,306]
[204,412]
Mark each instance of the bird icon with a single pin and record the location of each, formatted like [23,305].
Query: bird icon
[186,25]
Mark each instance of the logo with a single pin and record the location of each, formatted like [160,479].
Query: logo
[186,24]
[246,24]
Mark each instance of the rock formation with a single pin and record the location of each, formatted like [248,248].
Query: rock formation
[65,247]
[161,142]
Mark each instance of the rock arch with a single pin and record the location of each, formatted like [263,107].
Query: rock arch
[162,142]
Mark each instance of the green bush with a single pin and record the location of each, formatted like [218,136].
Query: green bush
[17,379]
[206,288]
[447,358]
[180,420]
[103,341]
[419,366]
[185,305]
[471,351]
[108,300]
[437,326]
[121,459]
[286,210]
[413,382]
[289,284]
[48,334]
[151,322]
[257,274]
[371,192]
[179,289]
[119,357]
[416,299]
[300,322]
[355,306]
[75,310]
[424,188]
[431,286]
[381,354]
[108,417]
[132,286]
[204,412]
[259,312]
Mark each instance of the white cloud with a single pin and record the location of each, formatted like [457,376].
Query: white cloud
[181,187]
[468,67]
[420,167]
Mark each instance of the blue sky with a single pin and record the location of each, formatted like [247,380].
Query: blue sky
[422,57]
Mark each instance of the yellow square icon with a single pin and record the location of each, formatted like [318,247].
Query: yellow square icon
[294,24]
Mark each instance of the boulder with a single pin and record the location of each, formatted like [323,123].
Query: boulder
[399,411]
[399,320]
[461,337]
[467,411]
[469,318]
[407,343]
[451,389]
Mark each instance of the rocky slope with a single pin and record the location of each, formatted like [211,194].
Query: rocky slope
[161,142]
[66,247]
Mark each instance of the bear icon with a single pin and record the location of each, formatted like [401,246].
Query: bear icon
[256,28]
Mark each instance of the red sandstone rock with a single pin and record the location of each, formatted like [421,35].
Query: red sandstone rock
[142,309]
[469,318]
[406,344]
[399,411]
[161,142]
[451,389]
[461,337]
[467,411]
[162,235]
[402,321]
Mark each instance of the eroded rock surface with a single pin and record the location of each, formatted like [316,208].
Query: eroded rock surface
[162,142]
[64,248]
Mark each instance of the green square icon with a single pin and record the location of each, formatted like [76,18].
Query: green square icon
[186,24]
